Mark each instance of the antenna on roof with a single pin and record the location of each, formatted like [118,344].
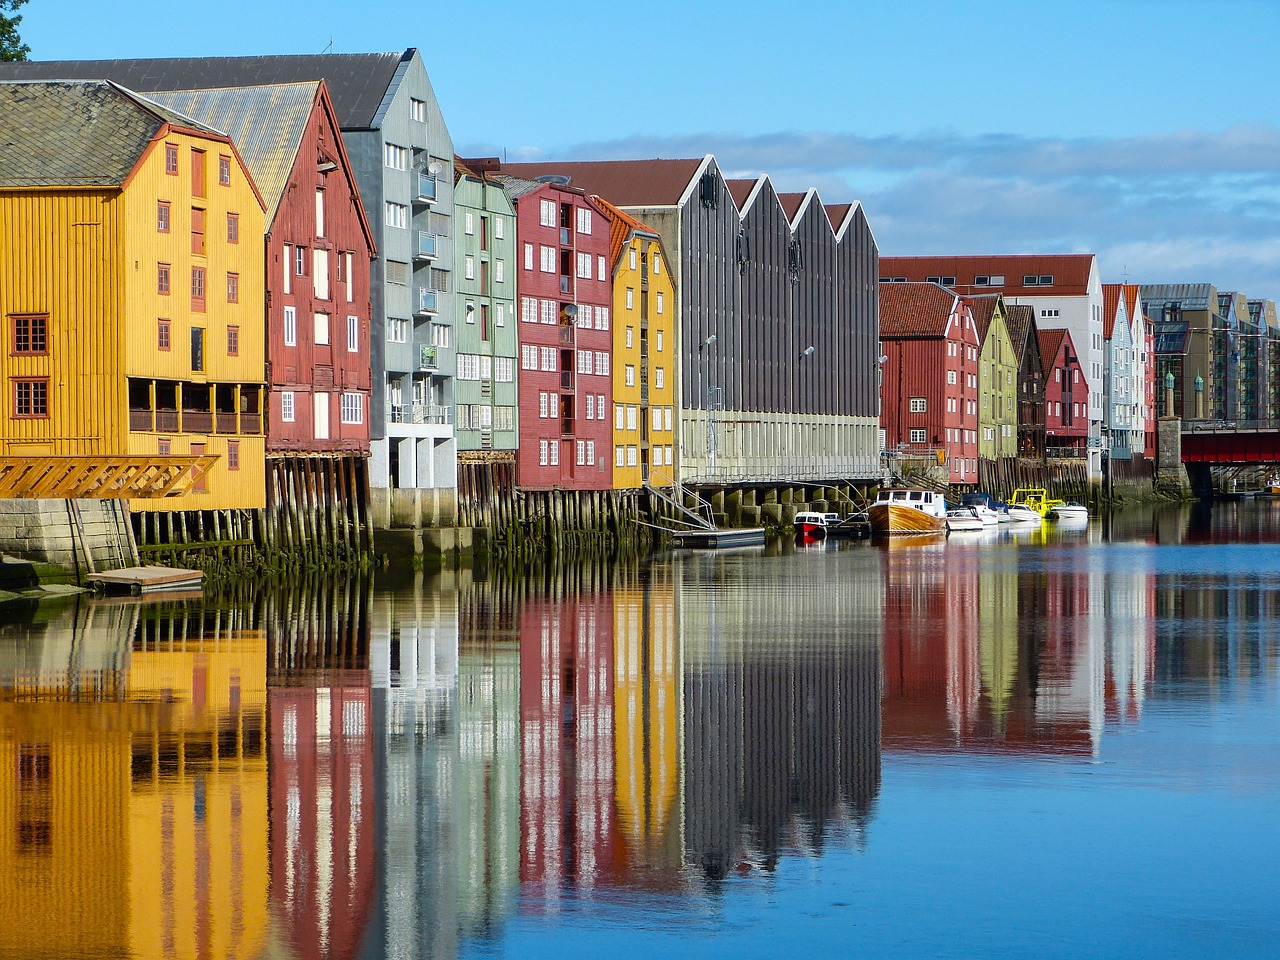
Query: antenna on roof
[329,48]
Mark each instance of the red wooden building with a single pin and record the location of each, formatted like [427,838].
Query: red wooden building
[1066,395]
[318,249]
[929,379]
[564,381]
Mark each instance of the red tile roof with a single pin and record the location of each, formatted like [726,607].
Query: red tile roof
[983,309]
[1050,344]
[622,226]
[1070,272]
[627,183]
[1132,296]
[1110,306]
[914,310]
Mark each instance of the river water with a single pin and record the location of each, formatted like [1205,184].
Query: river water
[1056,743]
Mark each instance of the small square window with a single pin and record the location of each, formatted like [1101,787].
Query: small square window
[31,397]
[162,446]
[30,334]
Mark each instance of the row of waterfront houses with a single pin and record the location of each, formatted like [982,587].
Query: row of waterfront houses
[229,261]
[214,268]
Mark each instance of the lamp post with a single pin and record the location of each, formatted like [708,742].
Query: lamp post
[795,404]
[1199,397]
[1169,381]
[706,411]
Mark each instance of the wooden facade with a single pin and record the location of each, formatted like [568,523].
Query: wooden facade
[152,344]
[1065,395]
[1021,322]
[997,380]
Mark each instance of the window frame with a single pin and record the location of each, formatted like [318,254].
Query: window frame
[15,349]
[15,398]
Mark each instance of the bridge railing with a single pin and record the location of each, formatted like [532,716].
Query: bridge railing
[1230,426]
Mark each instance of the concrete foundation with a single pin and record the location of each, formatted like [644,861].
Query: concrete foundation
[1171,475]
[75,535]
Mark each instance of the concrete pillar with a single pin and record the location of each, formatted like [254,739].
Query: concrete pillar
[1171,475]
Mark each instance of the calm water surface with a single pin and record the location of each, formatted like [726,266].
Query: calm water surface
[1058,743]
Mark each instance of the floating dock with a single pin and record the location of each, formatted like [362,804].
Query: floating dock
[712,539]
[139,580]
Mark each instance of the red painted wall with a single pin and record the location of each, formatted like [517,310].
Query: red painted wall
[307,365]
[1066,390]
[568,389]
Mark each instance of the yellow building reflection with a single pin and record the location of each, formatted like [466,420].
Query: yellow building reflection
[133,800]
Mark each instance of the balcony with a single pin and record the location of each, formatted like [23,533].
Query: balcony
[566,238]
[426,189]
[568,335]
[428,302]
[197,421]
[427,357]
[418,413]
[427,248]
[566,426]
[566,380]
[565,284]
[140,421]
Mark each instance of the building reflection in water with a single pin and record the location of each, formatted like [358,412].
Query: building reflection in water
[133,785]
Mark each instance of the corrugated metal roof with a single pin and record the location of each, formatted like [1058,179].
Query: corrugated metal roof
[914,310]
[1068,272]
[75,133]
[1192,296]
[358,82]
[267,124]
[627,183]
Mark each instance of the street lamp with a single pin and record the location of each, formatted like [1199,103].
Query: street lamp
[795,401]
[707,426]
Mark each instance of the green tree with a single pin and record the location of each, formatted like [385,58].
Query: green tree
[11,45]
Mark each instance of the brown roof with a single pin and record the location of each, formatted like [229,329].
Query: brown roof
[1110,306]
[791,203]
[1070,272]
[983,309]
[836,212]
[1050,344]
[914,310]
[740,190]
[627,183]
[621,228]
[1019,318]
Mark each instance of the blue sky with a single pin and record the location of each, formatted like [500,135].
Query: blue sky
[1146,131]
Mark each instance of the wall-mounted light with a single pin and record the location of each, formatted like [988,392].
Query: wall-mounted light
[326,166]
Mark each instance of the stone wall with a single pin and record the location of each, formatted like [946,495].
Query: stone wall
[61,532]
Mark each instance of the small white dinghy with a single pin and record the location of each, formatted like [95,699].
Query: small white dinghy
[963,518]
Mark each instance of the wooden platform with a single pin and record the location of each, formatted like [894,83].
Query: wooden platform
[711,539]
[138,580]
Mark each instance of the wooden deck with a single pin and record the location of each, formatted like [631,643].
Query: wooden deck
[138,580]
[69,478]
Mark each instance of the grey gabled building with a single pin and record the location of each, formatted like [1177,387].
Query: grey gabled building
[402,154]
[758,284]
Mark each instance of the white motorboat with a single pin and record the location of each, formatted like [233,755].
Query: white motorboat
[1021,513]
[1069,511]
[963,518]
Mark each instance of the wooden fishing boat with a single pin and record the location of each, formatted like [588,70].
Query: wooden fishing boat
[902,511]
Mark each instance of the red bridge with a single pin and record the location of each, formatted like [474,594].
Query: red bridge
[1230,441]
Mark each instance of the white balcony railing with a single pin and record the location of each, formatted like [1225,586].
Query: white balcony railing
[418,413]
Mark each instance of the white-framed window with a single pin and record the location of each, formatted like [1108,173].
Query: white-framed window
[629,375]
[591,453]
[630,335]
[582,452]
[657,264]
[602,363]
[917,436]
[618,453]
[656,418]
[499,271]
[320,272]
[917,404]
[584,265]
[397,330]
[440,334]
[349,259]
[659,301]
[584,220]
[585,313]
[542,453]
[633,258]
[504,369]
[548,359]
[417,110]
[548,255]
[395,157]
[287,411]
[290,326]
[397,214]
[469,267]
[544,404]
[529,309]
[633,416]
[584,361]
[631,456]
[631,298]
[528,256]
[322,328]
[619,416]
[469,223]
[353,334]
[602,409]
[602,318]
[602,272]
[550,311]
[499,228]
[500,315]
[528,357]
[547,213]
[667,417]
[591,406]
[660,378]
[659,341]
[319,212]
[353,408]
[951,377]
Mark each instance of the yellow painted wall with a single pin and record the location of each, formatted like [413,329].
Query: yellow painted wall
[58,255]
[661,346]
[145,248]
[997,391]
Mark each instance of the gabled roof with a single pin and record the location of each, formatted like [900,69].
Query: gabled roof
[914,310]
[358,82]
[1069,272]
[1111,293]
[622,228]
[791,203]
[1050,343]
[627,183]
[267,124]
[740,190]
[78,133]
[1020,319]
[983,309]
[836,212]
[1133,300]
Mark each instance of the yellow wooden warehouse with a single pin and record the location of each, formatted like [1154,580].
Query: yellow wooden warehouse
[131,293]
